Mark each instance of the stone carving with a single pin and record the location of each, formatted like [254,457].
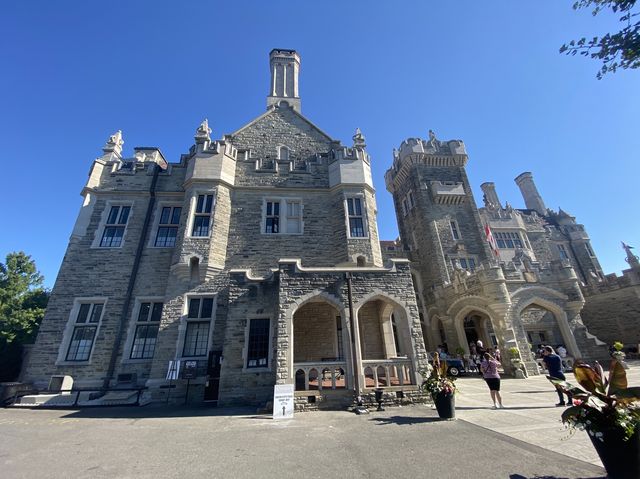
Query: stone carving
[433,141]
[631,258]
[114,143]
[359,140]
[203,132]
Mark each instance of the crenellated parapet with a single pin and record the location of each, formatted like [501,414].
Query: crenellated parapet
[350,165]
[432,152]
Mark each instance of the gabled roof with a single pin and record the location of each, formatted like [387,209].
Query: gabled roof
[274,110]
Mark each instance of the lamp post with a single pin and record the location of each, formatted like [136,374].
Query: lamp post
[360,409]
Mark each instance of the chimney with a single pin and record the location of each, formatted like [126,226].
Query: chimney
[491,199]
[532,198]
[285,67]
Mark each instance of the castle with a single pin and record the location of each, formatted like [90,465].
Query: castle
[256,259]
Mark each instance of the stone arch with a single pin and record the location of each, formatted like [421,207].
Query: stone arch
[550,304]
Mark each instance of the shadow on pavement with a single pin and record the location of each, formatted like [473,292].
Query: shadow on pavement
[507,408]
[519,476]
[160,411]
[404,420]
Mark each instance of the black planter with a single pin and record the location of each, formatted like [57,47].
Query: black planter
[446,405]
[621,458]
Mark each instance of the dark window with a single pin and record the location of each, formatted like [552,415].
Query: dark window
[272,223]
[454,230]
[258,348]
[168,227]
[145,337]
[196,338]
[356,222]
[509,240]
[563,252]
[202,215]
[114,227]
[84,332]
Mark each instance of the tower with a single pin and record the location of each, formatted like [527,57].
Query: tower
[285,67]
[532,198]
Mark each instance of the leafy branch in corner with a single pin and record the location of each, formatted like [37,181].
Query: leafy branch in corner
[616,50]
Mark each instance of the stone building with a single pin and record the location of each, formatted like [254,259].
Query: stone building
[508,277]
[249,256]
[256,258]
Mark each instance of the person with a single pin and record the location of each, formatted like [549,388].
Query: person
[498,356]
[562,351]
[489,368]
[480,354]
[554,366]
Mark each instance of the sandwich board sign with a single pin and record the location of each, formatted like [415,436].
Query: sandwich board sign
[174,370]
[283,401]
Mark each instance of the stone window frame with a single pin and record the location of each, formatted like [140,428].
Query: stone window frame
[245,347]
[133,325]
[70,327]
[589,250]
[365,220]
[156,222]
[498,235]
[184,320]
[467,259]
[104,216]
[562,252]
[283,201]
[193,202]
[456,233]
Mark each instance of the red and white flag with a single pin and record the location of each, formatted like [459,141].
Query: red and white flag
[491,240]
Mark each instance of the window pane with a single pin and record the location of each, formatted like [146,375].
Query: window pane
[156,313]
[112,237]
[113,215]
[356,227]
[200,204]
[124,215]
[276,209]
[269,208]
[82,313]
[209,202]
[144,311]
[350,206]
[358,206]
[166,236]
[196,339]
[175,218]
[201,226]
[272,225]
[207,307]
[258,347]
[144,342]
[293,225]
[95,313]
[164,217]
[81,342]
[194,307]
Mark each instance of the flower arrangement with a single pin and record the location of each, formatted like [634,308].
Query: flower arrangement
[602,405]
[437,381]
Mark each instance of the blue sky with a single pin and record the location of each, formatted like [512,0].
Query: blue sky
[487,72]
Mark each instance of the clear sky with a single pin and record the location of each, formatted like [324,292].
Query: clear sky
[486,72]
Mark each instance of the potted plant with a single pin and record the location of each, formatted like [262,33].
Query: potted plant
[609,411]
[441,388]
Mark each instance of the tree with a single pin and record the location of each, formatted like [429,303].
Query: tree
[616,50]
[22,304]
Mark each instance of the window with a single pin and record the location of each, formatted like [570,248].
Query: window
[292,210]
[508,240]
[114,227]
[84,331]
[356,219]
[146,333]
[405,207]
[455,232]
[196,338]
[258,343]
[168,227]
[410,200]
[563,252]
[273,217]
[588,249]
[202,215]
[465,263]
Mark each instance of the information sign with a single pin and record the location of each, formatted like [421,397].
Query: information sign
[283,401]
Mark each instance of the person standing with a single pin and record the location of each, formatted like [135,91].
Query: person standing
[553,363]
[489,368]
[480,355]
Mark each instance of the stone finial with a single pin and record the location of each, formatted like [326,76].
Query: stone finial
[631,258]
[114,144]
[203,133]
[359,140]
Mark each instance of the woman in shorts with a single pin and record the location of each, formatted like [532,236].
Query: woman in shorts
[489,368]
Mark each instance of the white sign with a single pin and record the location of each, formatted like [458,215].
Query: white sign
[283,401]
[174,370]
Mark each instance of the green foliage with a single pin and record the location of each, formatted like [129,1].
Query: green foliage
[514,352]
[616,50]
[601,403]
[618,346]
[22,299]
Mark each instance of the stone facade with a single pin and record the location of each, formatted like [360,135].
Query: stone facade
[259,247]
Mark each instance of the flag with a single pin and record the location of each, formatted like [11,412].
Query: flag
[491,240]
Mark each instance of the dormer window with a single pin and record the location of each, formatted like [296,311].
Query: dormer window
[283,153]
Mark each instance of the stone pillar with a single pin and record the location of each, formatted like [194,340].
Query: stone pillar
[532,198]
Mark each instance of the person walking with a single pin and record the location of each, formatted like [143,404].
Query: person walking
[489,368]
[553,362]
